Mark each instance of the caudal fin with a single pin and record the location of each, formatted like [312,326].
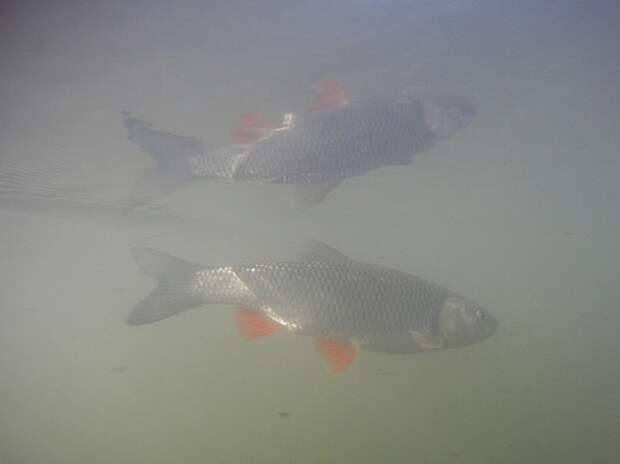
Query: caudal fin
[171,153]
[174,293]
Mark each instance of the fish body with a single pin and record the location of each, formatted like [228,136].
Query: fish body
[341,142]
[324,295]
[343,299]
[334,140]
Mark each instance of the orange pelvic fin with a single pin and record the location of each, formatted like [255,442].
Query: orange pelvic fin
[255,324]
[339,353]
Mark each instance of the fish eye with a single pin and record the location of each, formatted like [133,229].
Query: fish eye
[480,314]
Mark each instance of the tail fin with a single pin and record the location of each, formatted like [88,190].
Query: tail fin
[170,153]
[174,293]
[161,145]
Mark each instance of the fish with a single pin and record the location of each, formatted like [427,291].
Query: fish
[316,149]
[346,306]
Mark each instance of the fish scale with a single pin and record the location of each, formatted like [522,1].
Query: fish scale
[315,149]
[347,298]
[361,137]
[324,295]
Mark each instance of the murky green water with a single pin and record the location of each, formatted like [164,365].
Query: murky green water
[519,211]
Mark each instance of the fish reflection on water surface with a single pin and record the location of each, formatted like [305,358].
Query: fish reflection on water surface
[344,304]
[315,149]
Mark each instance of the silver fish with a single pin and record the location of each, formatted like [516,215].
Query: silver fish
[346,305]
[316,150]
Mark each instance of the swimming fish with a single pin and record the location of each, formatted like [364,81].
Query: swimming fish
[345,305]
[316,149]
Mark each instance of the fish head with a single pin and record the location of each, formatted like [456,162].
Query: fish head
[463,322]
[446,115]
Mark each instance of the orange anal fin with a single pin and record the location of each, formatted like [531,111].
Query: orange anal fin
[339,353]
[252,128]
[331,95]
[255,324]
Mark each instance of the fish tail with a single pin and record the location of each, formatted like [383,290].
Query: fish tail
[174,293]
[171,154]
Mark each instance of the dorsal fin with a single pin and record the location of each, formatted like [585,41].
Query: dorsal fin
[313,250]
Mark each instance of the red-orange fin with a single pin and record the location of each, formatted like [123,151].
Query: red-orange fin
[252,128]
[250,119]
[339,353]
[331,95]
[255,324]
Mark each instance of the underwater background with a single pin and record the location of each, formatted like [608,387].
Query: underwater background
[519,211]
